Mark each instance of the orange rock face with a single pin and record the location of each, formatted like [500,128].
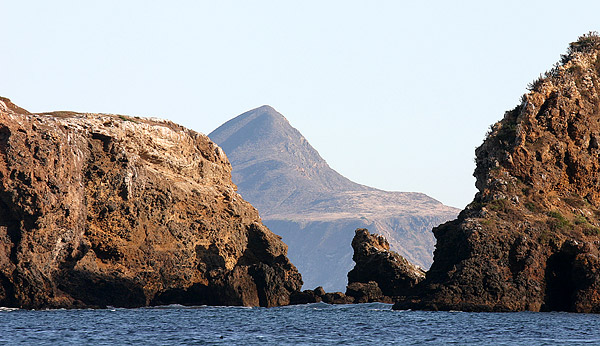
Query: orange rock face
[100,210]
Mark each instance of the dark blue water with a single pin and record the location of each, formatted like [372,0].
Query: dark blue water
[314,324]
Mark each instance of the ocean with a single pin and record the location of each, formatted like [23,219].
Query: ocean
[312,324]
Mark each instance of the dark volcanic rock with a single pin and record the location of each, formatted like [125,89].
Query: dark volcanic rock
[366,292]
[530,239]
[376,264]
[313,207]
[304,297]
[319,291]
[318,295]
[337,298]
[100,210]
[307,296]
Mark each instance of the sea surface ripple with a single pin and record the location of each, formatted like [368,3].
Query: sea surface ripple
[312,324]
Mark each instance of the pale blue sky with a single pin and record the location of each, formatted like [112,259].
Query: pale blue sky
[393,94]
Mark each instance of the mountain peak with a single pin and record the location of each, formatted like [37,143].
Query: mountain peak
[266,108]
[262,111]
[265,115]
[262,140]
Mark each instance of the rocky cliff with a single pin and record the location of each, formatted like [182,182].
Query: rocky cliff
[313,207]
[100,210]
[530,239]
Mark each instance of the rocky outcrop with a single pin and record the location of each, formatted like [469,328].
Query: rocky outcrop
[313,207]
[379,273]
[530,239]
[337,298]
[100,210]
[307,296]
[319,295]
[367,293]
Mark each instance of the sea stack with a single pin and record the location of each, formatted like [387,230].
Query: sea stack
[530,239]
[379,274]
[99,210]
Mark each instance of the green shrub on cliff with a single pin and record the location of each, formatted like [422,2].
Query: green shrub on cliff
[557,221]
[579,219]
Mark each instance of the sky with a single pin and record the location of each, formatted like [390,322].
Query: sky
[393,94]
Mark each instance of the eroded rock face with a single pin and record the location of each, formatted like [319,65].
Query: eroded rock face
[100,210]
[530,239]
[378,268]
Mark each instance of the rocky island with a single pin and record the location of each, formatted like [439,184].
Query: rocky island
[530,239]
[99,210]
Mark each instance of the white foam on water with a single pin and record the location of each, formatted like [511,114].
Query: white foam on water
[5,309]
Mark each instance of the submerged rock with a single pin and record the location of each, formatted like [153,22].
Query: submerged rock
[530,239]
[100,210]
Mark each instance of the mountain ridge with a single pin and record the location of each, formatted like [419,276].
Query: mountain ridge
[300,196]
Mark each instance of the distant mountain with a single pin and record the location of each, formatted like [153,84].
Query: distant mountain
[314,208]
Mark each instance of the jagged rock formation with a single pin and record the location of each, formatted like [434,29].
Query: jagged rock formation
[100,210]
[313,207]
[378,268]
[530,239]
